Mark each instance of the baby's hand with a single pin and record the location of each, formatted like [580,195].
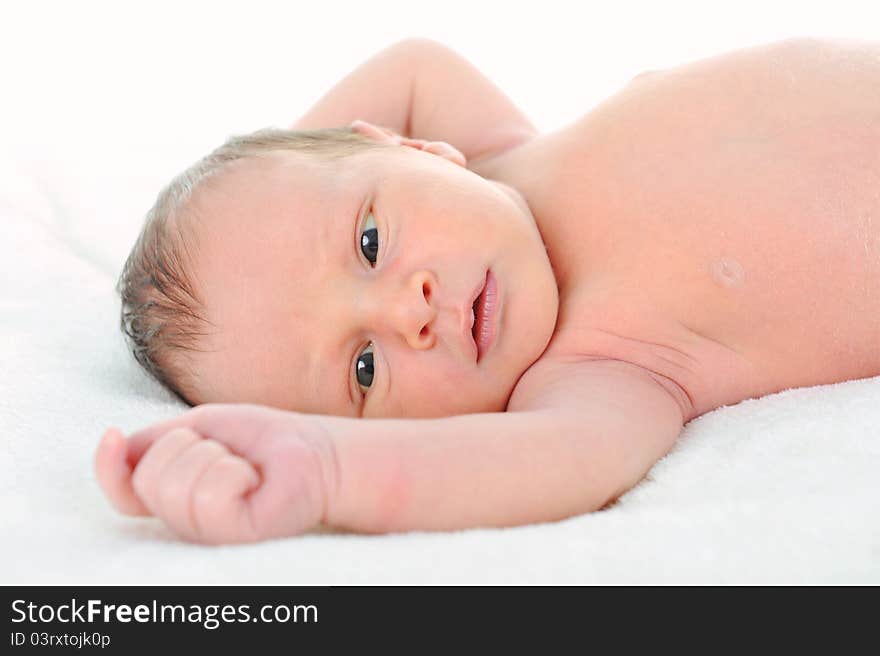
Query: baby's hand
[222,473]
[439,148]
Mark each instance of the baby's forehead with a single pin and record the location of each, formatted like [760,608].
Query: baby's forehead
[281,193]
[259,189]
[265,214]
[297,177]
[274,171]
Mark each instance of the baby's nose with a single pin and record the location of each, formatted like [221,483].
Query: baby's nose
[411,312]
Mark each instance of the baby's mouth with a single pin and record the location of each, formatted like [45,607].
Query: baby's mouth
[475,317]
[476,308]
[485,326]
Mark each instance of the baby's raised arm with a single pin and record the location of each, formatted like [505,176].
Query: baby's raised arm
[582,435]
[420,88]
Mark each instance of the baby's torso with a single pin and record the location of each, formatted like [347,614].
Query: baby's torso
[719,224]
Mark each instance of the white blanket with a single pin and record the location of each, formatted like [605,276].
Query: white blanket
[780,489]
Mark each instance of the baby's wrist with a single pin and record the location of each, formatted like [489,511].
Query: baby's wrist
[314,435]
[368,480]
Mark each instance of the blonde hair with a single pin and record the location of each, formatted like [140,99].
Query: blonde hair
[162,316]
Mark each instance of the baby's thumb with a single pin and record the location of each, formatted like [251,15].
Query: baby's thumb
[114,473]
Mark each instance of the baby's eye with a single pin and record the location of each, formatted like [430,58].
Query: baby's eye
[370,239]
[365,367]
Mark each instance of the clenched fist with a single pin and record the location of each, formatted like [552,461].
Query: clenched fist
[223,473]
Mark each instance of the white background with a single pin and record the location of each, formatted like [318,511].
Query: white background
[221,66]
[215,67]
[106,101]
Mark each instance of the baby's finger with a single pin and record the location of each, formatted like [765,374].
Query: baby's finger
[114,474]
[178,481]
[220,508]
[148,472]
[418,144]
[140,441]
[445,150]
[242,427]
[237,425]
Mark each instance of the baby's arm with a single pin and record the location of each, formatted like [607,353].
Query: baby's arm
[420,88]
[231,473]
[585,435]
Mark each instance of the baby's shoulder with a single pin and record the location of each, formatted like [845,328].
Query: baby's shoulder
[597,387]
[597,342]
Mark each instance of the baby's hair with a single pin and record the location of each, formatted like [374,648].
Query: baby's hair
[162,316]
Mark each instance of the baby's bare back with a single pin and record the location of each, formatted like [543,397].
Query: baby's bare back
[719,223]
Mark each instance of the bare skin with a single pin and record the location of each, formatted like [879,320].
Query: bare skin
[719,222]
[711,234]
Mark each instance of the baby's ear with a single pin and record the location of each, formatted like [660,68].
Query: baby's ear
[386,135]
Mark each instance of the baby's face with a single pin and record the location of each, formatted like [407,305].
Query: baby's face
[303,295]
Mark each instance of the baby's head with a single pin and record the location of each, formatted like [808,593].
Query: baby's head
[334,272]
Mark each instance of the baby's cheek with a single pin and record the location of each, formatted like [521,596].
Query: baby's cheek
[441,391]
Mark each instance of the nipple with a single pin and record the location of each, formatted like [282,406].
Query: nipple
[727,272]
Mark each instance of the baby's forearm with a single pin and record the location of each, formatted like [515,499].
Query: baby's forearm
[379,91]
[499,469]
[422,89]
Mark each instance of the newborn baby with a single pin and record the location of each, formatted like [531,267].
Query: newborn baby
[460,322]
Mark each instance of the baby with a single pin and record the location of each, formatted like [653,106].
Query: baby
[460,322]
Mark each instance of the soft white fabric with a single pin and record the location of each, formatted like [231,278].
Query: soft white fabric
[779,489]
